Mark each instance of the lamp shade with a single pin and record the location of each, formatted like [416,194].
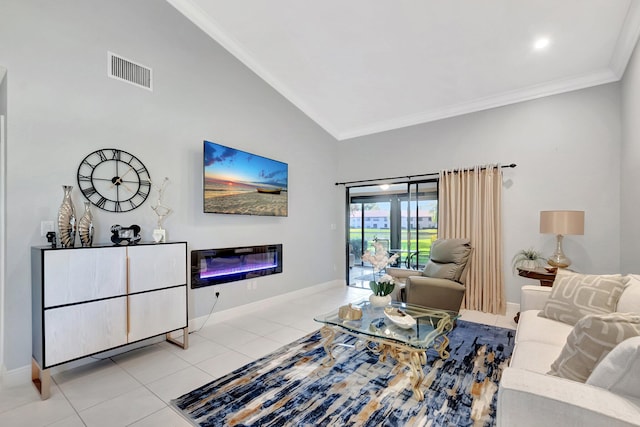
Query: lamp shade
[562,222]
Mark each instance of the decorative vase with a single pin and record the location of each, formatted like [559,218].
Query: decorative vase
[67,219]
[379,301]
[530,264]
[85,226]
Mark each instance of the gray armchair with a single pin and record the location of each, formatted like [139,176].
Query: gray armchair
[441,283]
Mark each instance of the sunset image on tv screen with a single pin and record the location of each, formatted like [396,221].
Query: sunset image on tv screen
[237,182]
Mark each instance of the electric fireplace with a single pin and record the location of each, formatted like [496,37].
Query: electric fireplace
[215,266]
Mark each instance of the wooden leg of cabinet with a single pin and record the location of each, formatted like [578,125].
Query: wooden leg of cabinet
[41,380]
[185,339]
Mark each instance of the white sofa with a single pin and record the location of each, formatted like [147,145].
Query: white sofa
[528,396]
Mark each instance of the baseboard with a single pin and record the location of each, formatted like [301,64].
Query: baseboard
[221,316]
[15,377]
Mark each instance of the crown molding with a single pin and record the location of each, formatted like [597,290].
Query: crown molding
[506,98]
[627,40]
[629,35]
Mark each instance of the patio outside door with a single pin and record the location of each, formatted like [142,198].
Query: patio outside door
[403,217]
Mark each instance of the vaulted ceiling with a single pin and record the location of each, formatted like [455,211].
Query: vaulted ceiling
[358,67]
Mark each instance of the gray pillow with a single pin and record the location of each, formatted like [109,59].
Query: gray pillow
[574,296]
[441,271]
[591,339]
[450,250]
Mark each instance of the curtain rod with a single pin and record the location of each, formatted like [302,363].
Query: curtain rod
[433,174]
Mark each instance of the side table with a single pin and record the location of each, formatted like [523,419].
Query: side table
[545,277]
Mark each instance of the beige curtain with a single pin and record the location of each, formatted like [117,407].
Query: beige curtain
[469,206]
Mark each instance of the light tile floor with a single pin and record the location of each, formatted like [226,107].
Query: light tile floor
[134,388]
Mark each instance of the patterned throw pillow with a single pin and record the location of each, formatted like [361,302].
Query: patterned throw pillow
[574,295]
[591,339]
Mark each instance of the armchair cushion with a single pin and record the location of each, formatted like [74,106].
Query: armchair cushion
[399,274]
[542,330]
[448,259]
[440,271]
[434,293]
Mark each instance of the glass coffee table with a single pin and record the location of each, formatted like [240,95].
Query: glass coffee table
[405,332]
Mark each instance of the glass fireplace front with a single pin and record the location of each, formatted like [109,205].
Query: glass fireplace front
[215,266]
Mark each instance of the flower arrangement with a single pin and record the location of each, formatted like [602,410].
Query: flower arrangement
[380,259]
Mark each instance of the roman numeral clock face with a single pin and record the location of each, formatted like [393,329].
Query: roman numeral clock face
[114,180]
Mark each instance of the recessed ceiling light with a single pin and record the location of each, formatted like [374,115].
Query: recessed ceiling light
[384,186]
[541,43]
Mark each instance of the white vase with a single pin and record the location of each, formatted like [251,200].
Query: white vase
[378,301]
[530,264]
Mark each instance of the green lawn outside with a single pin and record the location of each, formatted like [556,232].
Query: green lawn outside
[424,245]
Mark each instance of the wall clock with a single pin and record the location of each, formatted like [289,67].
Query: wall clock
[114,180]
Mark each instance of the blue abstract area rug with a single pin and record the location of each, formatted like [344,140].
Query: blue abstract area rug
[290,387]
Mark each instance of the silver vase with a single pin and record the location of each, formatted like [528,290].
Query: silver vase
[85,226]
[67,219]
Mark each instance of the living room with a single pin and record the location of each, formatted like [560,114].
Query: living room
[574,150]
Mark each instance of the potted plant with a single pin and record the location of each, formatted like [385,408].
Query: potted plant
[382,289]
[527,258]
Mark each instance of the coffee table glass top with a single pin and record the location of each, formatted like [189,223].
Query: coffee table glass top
[430,323]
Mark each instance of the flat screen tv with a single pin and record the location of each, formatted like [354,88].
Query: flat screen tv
[241,183]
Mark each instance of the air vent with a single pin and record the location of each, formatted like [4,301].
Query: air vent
[128,71]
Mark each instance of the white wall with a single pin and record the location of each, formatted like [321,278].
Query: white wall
[3,228]
[63,106]
[630,168]
[567,148]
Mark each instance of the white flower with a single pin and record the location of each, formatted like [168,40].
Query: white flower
[380,259]
[386,279]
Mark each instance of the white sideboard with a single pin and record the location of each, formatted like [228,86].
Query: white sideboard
[88,300]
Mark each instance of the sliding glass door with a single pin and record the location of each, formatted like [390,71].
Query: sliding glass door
[401,216]
[422,218]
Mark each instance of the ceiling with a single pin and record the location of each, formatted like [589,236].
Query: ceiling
[360,67]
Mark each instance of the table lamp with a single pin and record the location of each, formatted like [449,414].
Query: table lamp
[561,223]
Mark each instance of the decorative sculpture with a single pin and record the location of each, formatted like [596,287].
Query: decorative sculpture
[159,234]
[125,235]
